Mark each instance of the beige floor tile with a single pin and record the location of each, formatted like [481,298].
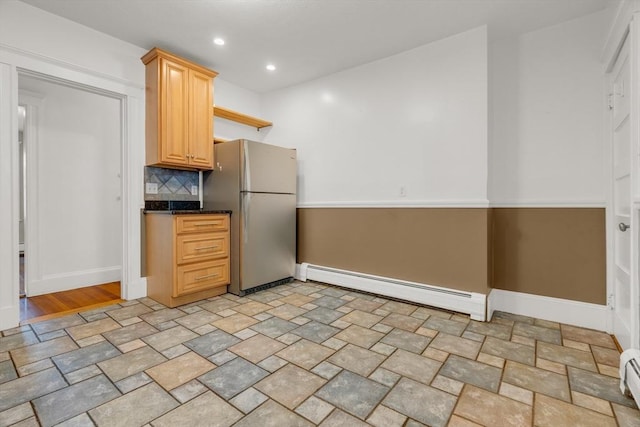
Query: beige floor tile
[457,421]
[523,340]
[340,418]
[89,329]
[235,323]
[550,412]
[435,354]
[357,359]
[297,299]
[592,402]
[169,338]
[290,385]
[516,393]
[402,321]
[399,307]
[588,336]
[426,332]
[412,366]
[606,356]
[447,384]
[305,353]
[490,409]
[180,370]
[548,365]
[35,352]
[364,305]
[287,311]
[257,348]
[609,370]
[627,417]
[567,356]
[456,345]
[361,318]
[498,362]
[385,417]
[201,411]
[537,380]
[575,344]
[315,409]
[358,335]
[252,308]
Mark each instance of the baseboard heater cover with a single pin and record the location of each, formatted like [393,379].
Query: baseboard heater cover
[471,303]
[630,374]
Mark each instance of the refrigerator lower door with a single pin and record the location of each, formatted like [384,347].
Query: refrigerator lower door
[267,238]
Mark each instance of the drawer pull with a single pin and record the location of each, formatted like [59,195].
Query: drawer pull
[203,225]
[206,247]
[208,276]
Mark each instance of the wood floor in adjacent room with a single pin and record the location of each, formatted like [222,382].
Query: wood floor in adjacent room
[47,306]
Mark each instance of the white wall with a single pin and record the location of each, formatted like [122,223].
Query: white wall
[238,99]
[547,126]
[36,40]
[74,189]
[33,30]
[416,120]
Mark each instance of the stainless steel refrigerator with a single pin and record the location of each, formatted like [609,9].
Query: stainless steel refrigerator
[257,182]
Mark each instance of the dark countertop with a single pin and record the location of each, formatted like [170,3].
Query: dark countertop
[187,211]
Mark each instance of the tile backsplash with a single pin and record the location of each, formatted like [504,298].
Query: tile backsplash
[173,184]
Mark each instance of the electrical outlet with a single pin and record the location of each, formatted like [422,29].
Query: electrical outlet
[151,188]
[403,191]
[194,190]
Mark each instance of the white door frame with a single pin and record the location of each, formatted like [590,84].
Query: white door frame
[625,26]
[133,285]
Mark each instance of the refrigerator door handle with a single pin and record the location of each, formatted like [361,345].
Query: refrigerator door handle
[246,166]
[245,216]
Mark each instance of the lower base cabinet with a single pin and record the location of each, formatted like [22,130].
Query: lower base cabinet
[187,257]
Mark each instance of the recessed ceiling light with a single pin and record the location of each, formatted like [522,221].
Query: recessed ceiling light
[271,67]
[218,41]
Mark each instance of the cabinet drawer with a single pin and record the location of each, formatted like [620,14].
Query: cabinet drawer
[201,247]
[201,276]
[201,223]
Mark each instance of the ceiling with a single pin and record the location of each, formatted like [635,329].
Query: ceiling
[305,39]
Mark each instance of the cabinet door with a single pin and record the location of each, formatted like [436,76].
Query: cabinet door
[200,120]
[201,246]
[198,277]
[174,94]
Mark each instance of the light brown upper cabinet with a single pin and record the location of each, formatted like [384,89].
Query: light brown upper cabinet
[179,122]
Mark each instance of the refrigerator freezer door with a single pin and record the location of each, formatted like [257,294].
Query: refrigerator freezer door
[267,168]
[267,238]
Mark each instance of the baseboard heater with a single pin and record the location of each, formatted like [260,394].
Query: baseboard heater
[630,374]
[472,303]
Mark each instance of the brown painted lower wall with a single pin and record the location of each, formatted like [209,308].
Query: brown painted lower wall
[444,247]
[557,252]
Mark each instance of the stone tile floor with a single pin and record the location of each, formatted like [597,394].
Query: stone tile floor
[306,354]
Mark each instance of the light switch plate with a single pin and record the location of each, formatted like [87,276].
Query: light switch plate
[151,188]
[194,190]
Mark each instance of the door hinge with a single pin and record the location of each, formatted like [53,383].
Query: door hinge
[611,301]
[610,101]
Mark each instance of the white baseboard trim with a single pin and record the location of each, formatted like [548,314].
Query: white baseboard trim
[471,303]
[577,313]
[74,280]
[135,289]
[9,317]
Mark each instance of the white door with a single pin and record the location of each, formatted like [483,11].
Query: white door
[623,227]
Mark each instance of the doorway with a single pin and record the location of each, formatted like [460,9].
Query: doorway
[623,296]
[70,180]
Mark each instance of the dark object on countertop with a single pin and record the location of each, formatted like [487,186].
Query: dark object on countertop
[171,205]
